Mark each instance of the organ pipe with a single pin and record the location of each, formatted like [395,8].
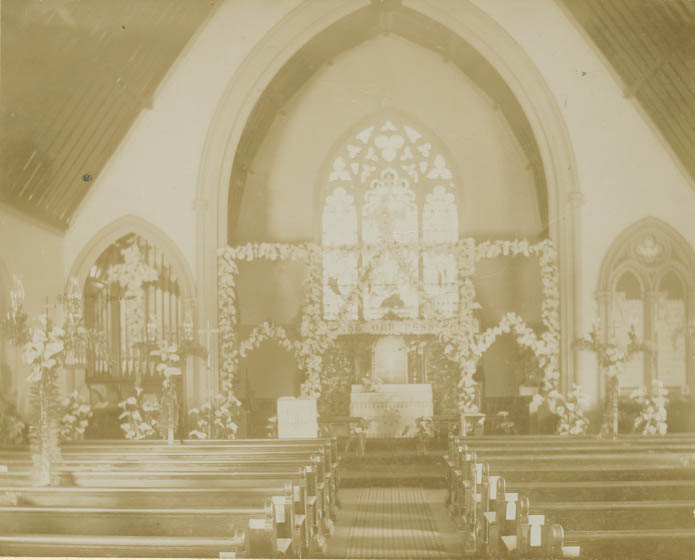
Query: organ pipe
[161,304]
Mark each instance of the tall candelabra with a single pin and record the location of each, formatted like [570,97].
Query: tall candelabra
[14,324]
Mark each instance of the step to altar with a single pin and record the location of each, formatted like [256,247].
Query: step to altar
[393,463]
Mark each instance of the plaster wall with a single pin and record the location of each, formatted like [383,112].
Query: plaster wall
[625,171]
[35,253]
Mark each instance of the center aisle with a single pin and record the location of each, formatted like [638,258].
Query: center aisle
[394,522]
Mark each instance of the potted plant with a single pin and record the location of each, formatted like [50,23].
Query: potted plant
[358,436]
[425,432]
[531,376]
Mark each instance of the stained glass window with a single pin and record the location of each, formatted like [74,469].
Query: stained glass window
[670,320]
[628,310]
[646,277]
[390,185]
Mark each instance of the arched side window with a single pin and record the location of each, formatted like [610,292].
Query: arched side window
[647,280]
[132,295]
[389,184]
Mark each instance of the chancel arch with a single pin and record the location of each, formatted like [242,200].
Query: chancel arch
[250,103]
[647,282]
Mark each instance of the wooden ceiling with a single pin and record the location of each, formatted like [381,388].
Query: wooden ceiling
[651,46]
[76,74]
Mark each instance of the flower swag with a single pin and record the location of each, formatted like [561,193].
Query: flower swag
[76,415]
[140,416]
[612,357]
[463,339]
[652,418]
[44,352]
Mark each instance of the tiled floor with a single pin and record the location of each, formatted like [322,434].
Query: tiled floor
[394,522]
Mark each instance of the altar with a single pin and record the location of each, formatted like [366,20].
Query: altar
[393,409]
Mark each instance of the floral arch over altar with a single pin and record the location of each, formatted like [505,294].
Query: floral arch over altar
[390,261]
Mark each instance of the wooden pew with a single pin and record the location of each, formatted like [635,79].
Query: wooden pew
[606,491]
[654,515]
[550,539]
[285,496]
[321,484]
[499,533]
[92,546]
[238,464]
[305,499]
[261,526]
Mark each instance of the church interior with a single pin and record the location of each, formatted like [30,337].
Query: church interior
[347,278]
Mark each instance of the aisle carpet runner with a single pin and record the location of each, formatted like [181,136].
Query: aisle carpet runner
[393,523]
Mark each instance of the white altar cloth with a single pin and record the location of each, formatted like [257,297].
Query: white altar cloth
[393,408]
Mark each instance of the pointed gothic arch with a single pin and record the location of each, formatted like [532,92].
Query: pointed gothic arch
[653,253]
[238,109]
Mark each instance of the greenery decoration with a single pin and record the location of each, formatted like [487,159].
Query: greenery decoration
[13,430]
[652,418]
[44,353]
[140,416]
[215,420]
[612,357]
[569,410]
[336,382]
[76,413]
[463,341]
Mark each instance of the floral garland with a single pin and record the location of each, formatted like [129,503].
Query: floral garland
[139,416]
[168,360]
[612,357]
[76,415]
[215,420]
[13,430]
[652,418]
[44,353]
[463,339]
[569,410]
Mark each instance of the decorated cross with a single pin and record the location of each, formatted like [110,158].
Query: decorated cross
[133,272]
[131,275]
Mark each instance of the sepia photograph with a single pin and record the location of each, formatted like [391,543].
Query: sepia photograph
[347,279]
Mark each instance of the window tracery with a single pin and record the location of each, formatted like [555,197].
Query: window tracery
[648,280]
[390,185]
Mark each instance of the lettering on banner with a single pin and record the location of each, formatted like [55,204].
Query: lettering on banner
[478,473]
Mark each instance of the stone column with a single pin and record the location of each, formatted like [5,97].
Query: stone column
[690,352]
[205,307]
[569,261]
[651,364]
[604,298]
